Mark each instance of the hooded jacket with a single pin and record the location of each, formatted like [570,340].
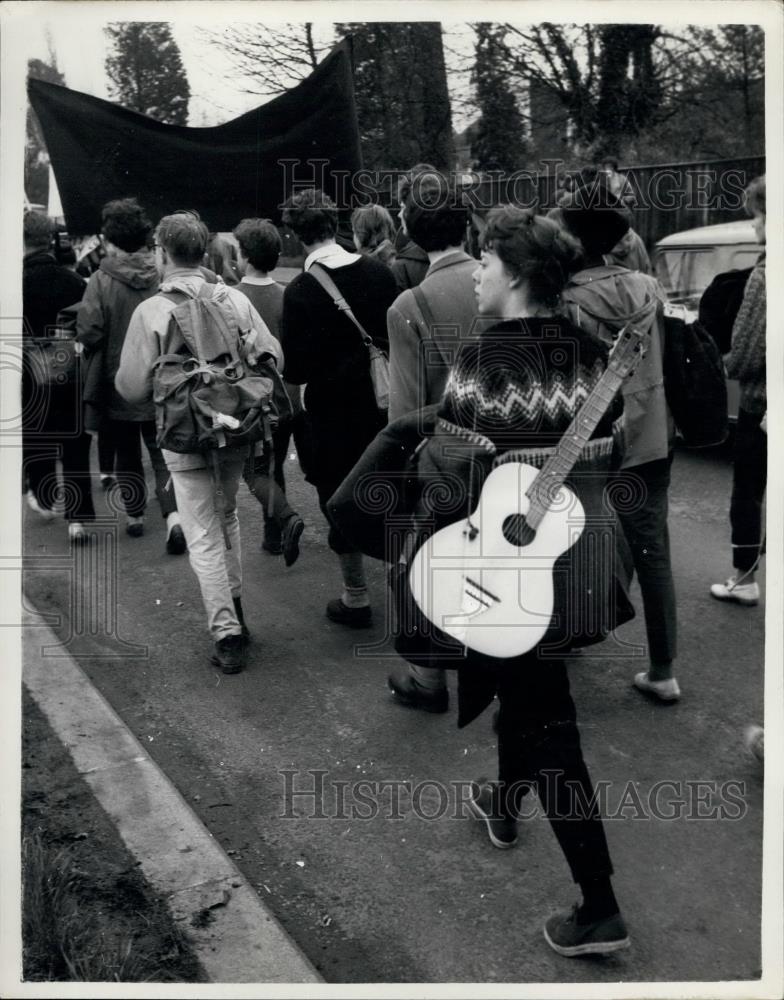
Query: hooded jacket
[147,332]
[630,252]
[601,300]
[47,287]
[410,266]
[120,284]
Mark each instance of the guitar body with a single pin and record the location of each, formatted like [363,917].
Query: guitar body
[491,595]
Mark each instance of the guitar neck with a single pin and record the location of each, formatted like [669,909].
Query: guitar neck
[544,488]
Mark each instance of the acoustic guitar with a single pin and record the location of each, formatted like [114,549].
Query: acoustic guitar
[487,581]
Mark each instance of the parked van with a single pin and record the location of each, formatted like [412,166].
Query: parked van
[686,263]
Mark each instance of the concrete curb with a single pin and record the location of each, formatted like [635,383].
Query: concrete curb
[242,941]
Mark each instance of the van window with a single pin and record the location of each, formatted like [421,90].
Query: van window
[685,274]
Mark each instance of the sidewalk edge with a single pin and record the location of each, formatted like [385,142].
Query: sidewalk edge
[243,941]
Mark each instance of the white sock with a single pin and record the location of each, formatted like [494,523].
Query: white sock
[355,597]
[171,520]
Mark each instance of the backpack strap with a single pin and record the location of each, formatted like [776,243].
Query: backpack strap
[189,320]
[320,274]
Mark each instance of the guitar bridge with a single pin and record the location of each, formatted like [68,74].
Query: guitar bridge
[481,594]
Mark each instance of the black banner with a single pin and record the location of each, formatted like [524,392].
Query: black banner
[246,167]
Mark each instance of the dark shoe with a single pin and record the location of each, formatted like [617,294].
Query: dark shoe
[175,541]
[502,830]
[135,527]
[241,618]
[229,654]
[290,536]
[271,543]
[353,617]
[566,935]
[107,482]
[406,691]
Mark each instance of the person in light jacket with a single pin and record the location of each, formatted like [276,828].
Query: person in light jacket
[181,242]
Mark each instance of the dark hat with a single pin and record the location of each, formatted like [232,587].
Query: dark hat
[593,214]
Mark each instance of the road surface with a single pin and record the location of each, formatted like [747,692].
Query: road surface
[378,890]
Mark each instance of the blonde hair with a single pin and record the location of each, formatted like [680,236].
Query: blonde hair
[372,225]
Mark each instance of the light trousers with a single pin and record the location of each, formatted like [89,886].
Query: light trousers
[218,569]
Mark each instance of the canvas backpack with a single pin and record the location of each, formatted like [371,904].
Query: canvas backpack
[207,396]
[694,380]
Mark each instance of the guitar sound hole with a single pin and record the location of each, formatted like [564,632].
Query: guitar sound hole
[517,531]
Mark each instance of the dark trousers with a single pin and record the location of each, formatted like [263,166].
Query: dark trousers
[106,453]
[539,749]
[645,525]
[270,489]
[52,429]
[127,436]
[749,479]
[40,458]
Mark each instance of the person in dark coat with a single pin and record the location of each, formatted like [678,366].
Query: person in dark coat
[127,275]
[411,261]
[323,349]
[52,425]
[509,398]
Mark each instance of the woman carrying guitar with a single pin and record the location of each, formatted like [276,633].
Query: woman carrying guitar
[510,397]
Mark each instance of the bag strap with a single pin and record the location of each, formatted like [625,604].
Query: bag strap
[427,316]
[320,274]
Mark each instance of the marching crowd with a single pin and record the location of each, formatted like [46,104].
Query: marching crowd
[490,361]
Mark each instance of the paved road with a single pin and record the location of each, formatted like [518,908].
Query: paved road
[373,898]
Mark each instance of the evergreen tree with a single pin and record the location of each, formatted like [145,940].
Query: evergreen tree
[401,93]
[36,165]
[146,72]
[499,142]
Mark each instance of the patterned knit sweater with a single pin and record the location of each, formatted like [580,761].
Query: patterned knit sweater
[746,360]
[523,381]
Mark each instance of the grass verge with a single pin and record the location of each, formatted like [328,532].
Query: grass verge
[88,913]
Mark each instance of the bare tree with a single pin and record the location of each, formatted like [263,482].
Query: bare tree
[618,84]
[270,59]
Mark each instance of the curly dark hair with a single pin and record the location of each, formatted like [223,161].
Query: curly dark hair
[260,242]
[434,215]
[312,215]
[533,248]
[125,224]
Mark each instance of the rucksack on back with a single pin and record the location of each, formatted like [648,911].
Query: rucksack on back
[694,381]
[720,304]
[206,395]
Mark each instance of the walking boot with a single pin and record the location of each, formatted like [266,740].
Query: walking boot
[229,654]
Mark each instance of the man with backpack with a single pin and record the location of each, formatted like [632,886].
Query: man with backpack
[181,338]
[601,299]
